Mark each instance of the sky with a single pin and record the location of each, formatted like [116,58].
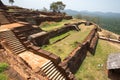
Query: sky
[79,5]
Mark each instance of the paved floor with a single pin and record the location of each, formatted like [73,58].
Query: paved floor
[12,25]
[33,60]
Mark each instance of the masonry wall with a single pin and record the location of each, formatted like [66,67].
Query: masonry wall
[44,39]
[110,40]
[62,30]
[76,57]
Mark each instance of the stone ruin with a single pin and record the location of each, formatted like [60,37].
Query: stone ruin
[30,62]
[36,17]
[76,57]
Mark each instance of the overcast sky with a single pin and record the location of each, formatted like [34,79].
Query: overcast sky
[79,5]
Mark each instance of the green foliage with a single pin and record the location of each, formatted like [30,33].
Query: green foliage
[3,66]
[11,2]
[108,23]
[3,77]
[57,6]
[111,24]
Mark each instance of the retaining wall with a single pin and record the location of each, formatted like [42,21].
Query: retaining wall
[110,40]
[49,16]
[76,57]
[44,38]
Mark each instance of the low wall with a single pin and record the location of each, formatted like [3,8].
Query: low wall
[62,30]
[67,17]
[23,39]
[93,44]
[76,57]
[49,16]
[45,54]
[51,13]
[44,38]
[39,20]
[110,40]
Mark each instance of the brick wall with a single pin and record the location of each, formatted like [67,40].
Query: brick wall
[77,56]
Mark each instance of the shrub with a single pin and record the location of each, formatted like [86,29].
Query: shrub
[3,66]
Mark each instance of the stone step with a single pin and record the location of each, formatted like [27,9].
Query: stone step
[7,32]
[17,52]
[14,45]
[53,76]
[58,78]
[9,37]
[50,75]
[17,47]
[51,70]
[62,78]
[47,65]
[13,42]
[57,74]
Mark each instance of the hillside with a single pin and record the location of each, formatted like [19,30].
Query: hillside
[109,20]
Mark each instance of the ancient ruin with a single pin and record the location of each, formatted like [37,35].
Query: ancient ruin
[21,40]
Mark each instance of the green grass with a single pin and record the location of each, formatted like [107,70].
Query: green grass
[65,46]
[47,26]
[3,67]
[90,69]
[3,77]
[53,40]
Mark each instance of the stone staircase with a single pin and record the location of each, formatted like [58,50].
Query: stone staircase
[3,19]
[15,45]
[52,72]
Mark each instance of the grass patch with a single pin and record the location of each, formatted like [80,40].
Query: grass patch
[94,67]
[3,67]
[47,26]
[60,37]
[3,77]
[64,47]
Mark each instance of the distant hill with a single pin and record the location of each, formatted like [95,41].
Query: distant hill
[88,13]
[109,20]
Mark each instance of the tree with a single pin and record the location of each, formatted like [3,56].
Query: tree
[11,2]
[57,6]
